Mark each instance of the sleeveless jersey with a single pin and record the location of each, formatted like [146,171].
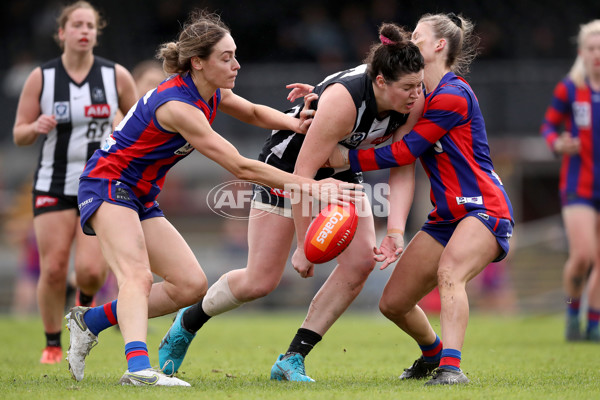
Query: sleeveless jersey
[140,152]
[282,147]
[451,142]
[577,109]
[84,114]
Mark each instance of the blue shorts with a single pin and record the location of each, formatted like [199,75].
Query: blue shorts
[572,199]
[500,227]
[94,191]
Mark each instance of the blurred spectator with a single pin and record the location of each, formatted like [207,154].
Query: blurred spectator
[18,230]
[15,77]
[147,75]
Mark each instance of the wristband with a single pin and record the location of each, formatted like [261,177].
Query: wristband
[392,231]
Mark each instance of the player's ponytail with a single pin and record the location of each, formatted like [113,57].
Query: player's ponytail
[394,56]
[462,43]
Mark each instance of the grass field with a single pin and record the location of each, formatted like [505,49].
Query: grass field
[361,357]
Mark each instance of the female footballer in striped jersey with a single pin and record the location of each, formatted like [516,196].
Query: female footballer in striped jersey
[70,101]
[575,107]
[471,221]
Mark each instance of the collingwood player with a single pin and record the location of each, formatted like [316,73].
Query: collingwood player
[70,102]
[359,108]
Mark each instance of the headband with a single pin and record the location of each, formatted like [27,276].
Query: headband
[455,18]
[385,40]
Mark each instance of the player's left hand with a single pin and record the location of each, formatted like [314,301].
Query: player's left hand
[333,191]
[307,115]
[390,249]
[298,90]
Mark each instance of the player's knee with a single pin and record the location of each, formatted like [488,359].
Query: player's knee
[55,272]
[90,277]
[258,290]
[191,290]
[387,308]
[139,281]
[580,263]
[446,279]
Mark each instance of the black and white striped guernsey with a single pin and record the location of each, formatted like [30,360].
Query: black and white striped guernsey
[282,147]
[84,113]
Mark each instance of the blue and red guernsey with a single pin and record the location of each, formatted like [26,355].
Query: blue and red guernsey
[451,142]
[140,152]
[577,110]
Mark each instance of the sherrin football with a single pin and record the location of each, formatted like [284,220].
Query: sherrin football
[330,232]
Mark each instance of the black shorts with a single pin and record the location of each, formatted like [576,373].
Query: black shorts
[44,202]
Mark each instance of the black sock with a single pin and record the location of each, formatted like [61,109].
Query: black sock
[303,342]
[193,318]
[53,339]
[85,300]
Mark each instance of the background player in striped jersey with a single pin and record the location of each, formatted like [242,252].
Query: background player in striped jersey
[360,108]
[71,102]
[121,181]
[471,221]
[575,107]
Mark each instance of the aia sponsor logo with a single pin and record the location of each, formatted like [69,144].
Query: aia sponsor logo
[97,111]
[45,201]
[381,139]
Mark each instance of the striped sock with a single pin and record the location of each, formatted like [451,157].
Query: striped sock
[450,359]
[137,356]
[433,352]
[573,307]
[99,318]
[593,318]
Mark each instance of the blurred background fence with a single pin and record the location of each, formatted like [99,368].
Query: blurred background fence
[527,46]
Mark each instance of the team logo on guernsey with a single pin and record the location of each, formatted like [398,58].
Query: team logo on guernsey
[185,149]
[355,139]
[62,112]
[108,143]
[582,113]
[98,95]
[97,111]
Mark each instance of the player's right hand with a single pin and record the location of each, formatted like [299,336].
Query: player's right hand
[305,268]
[44,124]
[567,144]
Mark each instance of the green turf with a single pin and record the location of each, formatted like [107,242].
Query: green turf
[360,358]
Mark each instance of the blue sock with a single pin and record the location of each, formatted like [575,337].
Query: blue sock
[573,307]
[593,318]
[99,318]
[433,352]
[137,356]
[450,359]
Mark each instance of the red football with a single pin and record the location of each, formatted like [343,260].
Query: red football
[330,232]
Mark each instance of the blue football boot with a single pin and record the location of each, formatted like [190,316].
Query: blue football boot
[290,369]
[174,345]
